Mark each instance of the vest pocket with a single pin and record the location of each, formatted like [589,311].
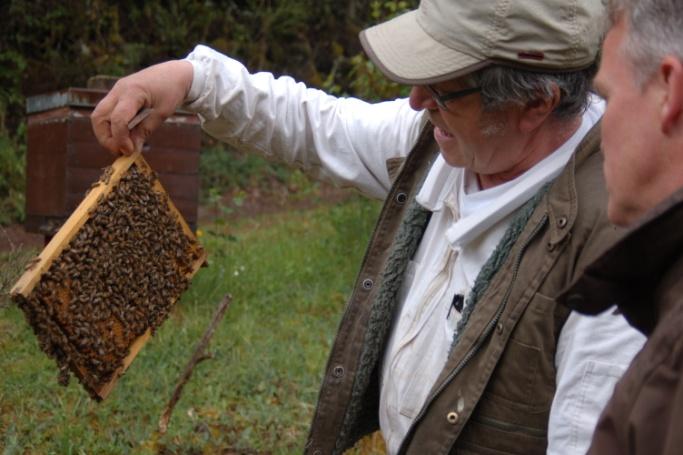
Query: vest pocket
[518,382]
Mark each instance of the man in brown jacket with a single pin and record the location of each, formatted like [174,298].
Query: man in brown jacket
[494,201]
[641,77]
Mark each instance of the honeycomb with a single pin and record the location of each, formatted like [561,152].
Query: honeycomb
[110,277]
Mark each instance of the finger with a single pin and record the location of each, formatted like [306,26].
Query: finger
[121,115]
[99,120]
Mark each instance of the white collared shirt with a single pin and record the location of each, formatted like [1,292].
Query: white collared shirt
[349,141]
[465,227]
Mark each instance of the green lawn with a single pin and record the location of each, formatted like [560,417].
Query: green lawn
[289,275]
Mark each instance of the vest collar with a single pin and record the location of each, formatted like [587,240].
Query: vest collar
[563,207]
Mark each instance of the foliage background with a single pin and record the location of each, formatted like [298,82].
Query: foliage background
[257,395]
[47,45]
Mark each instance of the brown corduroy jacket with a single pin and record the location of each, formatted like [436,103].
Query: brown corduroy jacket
[643,275]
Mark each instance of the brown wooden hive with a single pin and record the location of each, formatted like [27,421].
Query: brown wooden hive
[110,276]
[63,157]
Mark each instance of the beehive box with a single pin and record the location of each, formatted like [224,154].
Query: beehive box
[63,157]
[109,276]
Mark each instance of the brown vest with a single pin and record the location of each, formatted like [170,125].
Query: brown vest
[495,392]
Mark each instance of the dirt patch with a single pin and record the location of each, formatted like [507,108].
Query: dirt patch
[14,237]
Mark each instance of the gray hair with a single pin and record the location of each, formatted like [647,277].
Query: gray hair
[655,30]
[503,85]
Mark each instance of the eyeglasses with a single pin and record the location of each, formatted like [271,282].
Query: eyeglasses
[442,99]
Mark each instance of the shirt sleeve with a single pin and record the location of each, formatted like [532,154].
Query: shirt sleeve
[345,140]
[593,352]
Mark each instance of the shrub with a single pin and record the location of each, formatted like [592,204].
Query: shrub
[12,178]
[47,45]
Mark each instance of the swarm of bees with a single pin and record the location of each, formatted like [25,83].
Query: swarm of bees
[113,282]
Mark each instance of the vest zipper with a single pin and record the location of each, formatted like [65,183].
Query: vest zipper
[480,341]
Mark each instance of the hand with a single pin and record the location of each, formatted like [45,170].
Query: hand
[162,88]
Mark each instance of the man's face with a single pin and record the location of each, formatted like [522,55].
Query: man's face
[630,134]
[482,142]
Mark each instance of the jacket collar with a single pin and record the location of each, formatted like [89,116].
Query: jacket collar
[444,182]
[630,273]
[562,208]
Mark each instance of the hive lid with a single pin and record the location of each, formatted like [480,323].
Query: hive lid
[69,97]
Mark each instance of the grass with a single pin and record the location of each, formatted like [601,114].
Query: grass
[289,276]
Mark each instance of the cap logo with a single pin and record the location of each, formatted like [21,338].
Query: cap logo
[531,55]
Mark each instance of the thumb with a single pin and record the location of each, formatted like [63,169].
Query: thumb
[142,125]
[139,142]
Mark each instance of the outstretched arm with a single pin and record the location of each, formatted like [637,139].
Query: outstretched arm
[344,140]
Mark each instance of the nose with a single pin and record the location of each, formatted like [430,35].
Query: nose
[420,98]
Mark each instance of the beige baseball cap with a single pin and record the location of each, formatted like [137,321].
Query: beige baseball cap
[445,39]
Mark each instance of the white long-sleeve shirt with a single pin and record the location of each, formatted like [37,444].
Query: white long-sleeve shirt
[348,141]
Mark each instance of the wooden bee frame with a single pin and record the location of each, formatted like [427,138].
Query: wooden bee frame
[52,313]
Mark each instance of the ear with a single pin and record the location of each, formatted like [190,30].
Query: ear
[670,75]
[537,111]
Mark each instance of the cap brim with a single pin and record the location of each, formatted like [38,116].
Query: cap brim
[405,53]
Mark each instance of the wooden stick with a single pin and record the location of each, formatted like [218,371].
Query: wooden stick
[11,244]
[198,356]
